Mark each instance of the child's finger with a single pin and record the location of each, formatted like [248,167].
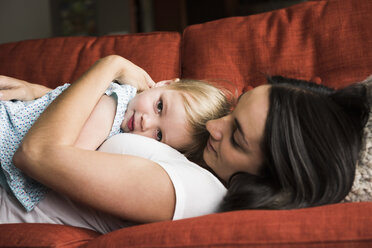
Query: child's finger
[5,84]
[12,94]
[142,87]
[8,82]
[149,81]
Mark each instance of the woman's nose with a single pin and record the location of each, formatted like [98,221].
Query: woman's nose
[214,128]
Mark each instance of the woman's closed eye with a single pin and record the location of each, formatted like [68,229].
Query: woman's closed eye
[233,141]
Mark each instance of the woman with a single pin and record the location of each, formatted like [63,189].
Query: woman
[266,161]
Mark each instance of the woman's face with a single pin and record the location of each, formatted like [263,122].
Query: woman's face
[234,142]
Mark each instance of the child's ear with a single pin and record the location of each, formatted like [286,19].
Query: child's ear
[166,82]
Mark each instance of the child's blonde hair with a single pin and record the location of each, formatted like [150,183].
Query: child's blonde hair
[202,102]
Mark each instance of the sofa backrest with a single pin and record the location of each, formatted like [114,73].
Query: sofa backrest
[55,61]
[324,41]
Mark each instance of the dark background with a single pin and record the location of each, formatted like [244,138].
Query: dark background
[34,19]
[175,15]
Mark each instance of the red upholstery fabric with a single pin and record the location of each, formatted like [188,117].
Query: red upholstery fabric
[338,226]
[325,41]
[56,61]
[43,235]
[329,41]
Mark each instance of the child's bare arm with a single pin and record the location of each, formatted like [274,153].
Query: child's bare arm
[17,89]
[98,125]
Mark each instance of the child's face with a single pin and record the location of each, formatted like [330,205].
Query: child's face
[158,113]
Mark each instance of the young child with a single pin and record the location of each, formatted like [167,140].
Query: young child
[173,112]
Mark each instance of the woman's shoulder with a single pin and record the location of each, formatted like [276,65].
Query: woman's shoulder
[198,192]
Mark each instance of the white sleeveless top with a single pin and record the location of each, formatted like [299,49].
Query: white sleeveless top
[198,192]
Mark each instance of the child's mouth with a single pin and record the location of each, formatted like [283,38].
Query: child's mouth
[131,123]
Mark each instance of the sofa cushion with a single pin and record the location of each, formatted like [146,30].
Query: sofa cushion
[337,226]
[44,235]
[59,60]
[324,41]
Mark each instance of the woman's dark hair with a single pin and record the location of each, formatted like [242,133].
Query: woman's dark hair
[310,147]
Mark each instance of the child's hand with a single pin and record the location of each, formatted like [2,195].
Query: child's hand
[135,76]
[16,89]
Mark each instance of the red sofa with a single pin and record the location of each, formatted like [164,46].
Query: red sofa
[329,42]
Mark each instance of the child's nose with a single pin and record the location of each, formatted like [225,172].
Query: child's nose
[147,122]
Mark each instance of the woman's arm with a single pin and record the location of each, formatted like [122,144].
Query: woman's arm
[130,187]
[17,89]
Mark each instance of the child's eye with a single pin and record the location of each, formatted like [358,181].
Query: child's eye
[159,106]
[159,135]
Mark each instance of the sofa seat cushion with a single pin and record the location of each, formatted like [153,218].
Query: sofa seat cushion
[44,235]
[336,225]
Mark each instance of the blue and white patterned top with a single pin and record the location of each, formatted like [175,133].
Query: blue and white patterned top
[17,117]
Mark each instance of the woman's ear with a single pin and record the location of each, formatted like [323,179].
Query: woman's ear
[166,82]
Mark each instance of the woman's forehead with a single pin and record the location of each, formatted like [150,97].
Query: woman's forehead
[260,93]
[251,110]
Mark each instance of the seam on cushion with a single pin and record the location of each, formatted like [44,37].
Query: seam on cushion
[74,243]
[142,34]
[159,33]
[80,57]
[180,57]
[182,50]
[244,244]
